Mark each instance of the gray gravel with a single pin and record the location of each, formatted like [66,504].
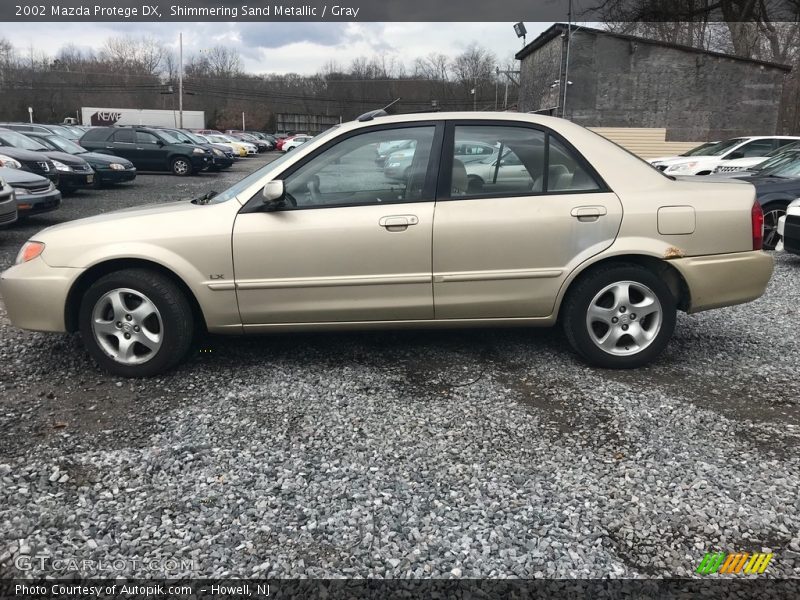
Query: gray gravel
[416,454]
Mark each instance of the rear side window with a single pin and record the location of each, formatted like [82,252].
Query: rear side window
[97,134]
[501,160]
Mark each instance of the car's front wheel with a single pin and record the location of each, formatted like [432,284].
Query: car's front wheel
[619,317]
[181,166]
[136,323]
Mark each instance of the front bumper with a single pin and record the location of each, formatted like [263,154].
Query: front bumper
[28,204]
[35,294]
[114,176]
[791,234]
[200,162]
[724,279]
[68,180]
[223,162]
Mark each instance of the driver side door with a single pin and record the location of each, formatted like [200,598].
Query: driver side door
[349,244]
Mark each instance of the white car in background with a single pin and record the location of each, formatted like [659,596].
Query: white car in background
[793,213]
[720,154]
[296,141]
[693,152]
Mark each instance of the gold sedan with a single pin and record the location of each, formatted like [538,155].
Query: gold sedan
[552,223]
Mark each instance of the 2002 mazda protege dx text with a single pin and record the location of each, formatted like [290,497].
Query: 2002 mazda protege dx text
[556,224]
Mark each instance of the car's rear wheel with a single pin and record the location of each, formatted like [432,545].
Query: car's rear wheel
[181,166]
[619,317]
[136,323]
[772,214]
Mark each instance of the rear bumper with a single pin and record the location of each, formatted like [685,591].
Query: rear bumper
[724,279]
[35,294]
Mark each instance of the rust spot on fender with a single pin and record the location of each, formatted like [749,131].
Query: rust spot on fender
[673,252]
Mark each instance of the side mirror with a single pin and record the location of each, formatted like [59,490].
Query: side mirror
[274,194]
[159,142]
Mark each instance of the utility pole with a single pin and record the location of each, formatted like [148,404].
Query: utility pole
[180,80]
[565,81]
[243,127]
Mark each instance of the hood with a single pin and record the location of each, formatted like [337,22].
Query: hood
[766,184]
[691,159]
[17,176]
[743,162]
[64,157]
[136,212]
[95,158]
[20,154]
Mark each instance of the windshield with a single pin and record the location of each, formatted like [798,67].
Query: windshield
[62,131]
[219,139]
[196,139]
[255,176]
[779,166]
[722,147]
[790,169]
[12,138]
[168,137]
[180,136]
[66,145]
[701,150]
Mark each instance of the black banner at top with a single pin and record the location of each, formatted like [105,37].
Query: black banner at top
[397,10]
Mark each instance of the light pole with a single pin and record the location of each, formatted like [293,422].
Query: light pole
[180,80]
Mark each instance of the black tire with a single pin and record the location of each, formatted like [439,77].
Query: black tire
[772,212]
[574,315]
[181,166]
[176,314]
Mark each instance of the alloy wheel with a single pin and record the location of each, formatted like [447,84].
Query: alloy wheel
[771,236]
[128,326]
[624,318]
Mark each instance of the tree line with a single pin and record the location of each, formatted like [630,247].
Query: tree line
[142,72]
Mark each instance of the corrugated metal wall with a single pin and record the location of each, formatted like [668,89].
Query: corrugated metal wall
[645,142]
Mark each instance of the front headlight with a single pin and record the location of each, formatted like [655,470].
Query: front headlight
[116,167]
[29,251]
[219,153]
[393,164]
[198,151]
[21,192]
[9,163]
[62,167]
[794,204]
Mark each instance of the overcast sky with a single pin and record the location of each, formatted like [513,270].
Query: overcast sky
[287,47]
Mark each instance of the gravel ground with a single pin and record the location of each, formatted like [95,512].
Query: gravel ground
[415,454]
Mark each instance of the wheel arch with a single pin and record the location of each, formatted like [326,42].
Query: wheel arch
[95,272]
[660,267]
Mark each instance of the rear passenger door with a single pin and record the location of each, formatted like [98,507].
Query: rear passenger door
[122,143]
[503,247]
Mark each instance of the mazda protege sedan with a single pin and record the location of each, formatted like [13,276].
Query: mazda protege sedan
[561,225]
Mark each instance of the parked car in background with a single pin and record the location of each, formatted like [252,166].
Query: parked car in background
[34,194]
[775,190]
[739,165]
[789,228]
[697,150]
[293,142]
[221,157]
[607,246]
[261,145]
[62,130]
[704,162]
[33,162]
[8,204]
[249,149]
[398,163]
[73,171]
[148,149]
[108,169]
[783,159]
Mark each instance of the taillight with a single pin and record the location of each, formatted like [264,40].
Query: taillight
[757,218]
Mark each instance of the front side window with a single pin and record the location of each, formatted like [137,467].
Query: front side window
[142,137]
[124,135]
[351,172]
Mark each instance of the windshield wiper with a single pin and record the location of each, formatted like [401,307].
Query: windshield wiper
[205,198]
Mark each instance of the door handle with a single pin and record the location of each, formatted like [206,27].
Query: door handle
[588,213]
[397,222]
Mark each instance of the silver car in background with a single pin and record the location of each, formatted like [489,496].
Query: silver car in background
[8,204]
